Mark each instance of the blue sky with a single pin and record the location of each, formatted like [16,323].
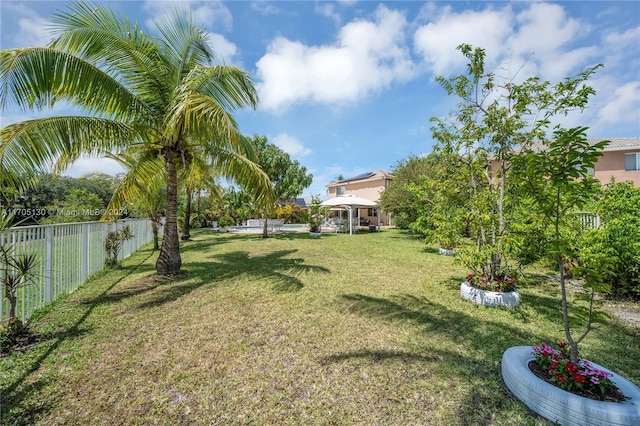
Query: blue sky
[348,86]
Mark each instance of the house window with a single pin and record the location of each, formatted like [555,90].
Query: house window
[372,212]
[632,161]
[340,190]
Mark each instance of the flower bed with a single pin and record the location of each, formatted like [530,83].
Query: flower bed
[501,283]
[581,378]
[563,407]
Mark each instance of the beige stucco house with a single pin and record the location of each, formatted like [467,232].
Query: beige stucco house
[620,160]
[366,185]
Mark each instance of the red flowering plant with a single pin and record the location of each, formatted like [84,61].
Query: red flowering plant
[571,376]
[501,283]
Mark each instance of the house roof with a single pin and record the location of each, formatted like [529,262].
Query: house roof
[375,174]
[615,144]
[618,144]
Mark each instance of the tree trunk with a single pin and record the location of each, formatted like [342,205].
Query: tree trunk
[169,260]
[187,217]
[265,230]
[154,228]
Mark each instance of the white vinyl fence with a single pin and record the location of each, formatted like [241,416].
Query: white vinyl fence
[67,255]
[588,219]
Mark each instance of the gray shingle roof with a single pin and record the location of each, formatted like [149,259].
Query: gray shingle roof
[615,144]
[618,143]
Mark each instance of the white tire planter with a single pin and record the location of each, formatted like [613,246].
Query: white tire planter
[446,252]
[315,234]
[510,299]
[560,406]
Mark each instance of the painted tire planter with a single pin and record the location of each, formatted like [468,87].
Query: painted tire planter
[563,407]
[315,234]
[446,252]
[510,299]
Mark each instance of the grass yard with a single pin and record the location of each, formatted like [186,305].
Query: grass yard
[363,329]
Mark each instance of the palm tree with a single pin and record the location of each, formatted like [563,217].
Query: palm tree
[143,184]
[198,175]
[161,93]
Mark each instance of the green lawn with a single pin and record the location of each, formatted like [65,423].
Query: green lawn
[362,329]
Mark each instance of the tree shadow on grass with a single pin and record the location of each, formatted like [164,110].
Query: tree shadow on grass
[13,395]
[276,268]
[484,342]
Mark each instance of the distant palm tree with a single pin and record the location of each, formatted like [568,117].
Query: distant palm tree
[161,93]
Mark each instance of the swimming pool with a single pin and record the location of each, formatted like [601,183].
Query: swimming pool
[285,227]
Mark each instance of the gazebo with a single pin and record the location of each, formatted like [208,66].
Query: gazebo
[349,202]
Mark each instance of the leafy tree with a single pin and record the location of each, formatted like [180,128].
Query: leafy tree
[442,212]
[556,179]
[495,118]
[407,205]
[288,178]
[79,205]
[616,242]
[159,92]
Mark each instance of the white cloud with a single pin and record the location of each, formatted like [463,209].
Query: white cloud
[624,105]
[224,49]
[367,56]
[546,33]
[34,31]
[538,40]
[437,40]
[291,145]
[265,8]
[86,165]
[327,9]
[210,14]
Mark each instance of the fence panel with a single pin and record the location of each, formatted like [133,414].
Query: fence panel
[588,219]
[67,255]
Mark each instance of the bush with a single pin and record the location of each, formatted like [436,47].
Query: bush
[616,244]
[226,221]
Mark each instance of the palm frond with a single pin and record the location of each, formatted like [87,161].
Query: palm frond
[41,143]
[233,165]
[184,45]
[115,44]
[231,87]
[145,178]
[39,77]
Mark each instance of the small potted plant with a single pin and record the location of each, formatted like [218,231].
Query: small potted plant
[316,217]
[224,222]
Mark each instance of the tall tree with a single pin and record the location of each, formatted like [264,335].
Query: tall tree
[495,116]
[162,92]
[557,180]
[288,178]
[407,205]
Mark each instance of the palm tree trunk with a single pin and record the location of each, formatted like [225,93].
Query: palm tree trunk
[187,217]
[169,260]
[154,227]
[265,230]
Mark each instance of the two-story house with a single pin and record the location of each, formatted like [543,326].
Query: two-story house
[366,185]
[620,160]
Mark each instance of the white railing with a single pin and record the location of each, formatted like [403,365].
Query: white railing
[588,219]
[67,255]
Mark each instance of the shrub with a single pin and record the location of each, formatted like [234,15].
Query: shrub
[226,221]
[615,246]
